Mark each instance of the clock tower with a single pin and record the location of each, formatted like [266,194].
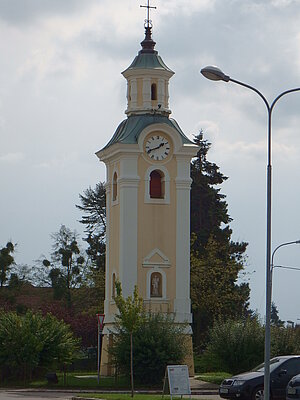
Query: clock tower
[148,199]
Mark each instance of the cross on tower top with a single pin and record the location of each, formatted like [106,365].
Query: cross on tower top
[148,22]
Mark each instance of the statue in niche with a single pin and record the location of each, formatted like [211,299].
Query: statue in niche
[156,285]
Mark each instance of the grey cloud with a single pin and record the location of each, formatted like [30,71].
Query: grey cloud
[25,11]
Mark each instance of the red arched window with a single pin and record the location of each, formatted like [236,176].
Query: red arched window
[156,185]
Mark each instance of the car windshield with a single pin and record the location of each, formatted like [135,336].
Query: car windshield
[274,363]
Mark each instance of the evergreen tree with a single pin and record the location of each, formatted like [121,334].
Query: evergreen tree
[6,261]
[275,320]
[215,259]
[93,205]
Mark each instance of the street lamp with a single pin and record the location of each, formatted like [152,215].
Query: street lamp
[272,266]
[215,74]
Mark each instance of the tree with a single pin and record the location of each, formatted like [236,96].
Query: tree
[6,261]
[93,205]
[209,210]
[158,342]
[214,291]
[131,316]
[32,341]
[216,260]
[66,265]
[236,345]
[145,343]
[275,320]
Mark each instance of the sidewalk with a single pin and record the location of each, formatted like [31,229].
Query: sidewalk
[201,387]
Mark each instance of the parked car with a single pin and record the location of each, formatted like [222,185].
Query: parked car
[250,385]
[293,388]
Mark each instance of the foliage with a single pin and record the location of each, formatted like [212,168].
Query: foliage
[157,342]
[237,344]
[131,310]
[275,320]
[284,341]
[32,341]
[216,261]
[214,290]
[82,324]
[6,261]
[213,377]
[209,210]
[149,341]
[93,205]
[66,265]
[131,316]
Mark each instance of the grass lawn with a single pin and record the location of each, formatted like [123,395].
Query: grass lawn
[213,377]
[83,380]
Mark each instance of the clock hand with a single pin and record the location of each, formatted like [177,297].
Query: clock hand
[155,148]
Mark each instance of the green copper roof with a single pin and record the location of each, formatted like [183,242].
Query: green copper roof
[147,57]
[148,60]
[129,130]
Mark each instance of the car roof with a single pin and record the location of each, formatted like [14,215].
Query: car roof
[286,357]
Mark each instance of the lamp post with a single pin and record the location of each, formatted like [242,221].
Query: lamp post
[215,74]
[272,266]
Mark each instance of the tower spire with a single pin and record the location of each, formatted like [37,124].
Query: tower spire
[148,22]
[148,43]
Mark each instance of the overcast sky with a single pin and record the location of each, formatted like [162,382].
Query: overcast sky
[62,96]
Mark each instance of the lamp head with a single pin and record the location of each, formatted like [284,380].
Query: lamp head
[214,74]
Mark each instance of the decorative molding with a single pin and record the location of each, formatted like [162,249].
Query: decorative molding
[165,180]
[148,263]
[164,285]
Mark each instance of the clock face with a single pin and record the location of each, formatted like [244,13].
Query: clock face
[157,147]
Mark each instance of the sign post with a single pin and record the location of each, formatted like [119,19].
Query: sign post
[100,319]
[178,378]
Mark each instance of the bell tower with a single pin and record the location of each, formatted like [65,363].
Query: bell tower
[148,198]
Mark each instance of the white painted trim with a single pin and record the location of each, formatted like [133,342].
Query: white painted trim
[166,180]
[164,128]
[128,236]
[164,284]
[111,283]
[182,306]
[148,263]
[115,171]
[145,72]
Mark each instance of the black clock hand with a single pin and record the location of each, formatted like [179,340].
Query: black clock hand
[155,148]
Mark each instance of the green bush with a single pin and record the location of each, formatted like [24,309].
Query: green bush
[284,341]
[236,346]
[157,342]
[31,341]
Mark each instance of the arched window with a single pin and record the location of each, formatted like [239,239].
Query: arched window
[156,285]
[153,92]
[156,185]
[113,286]
[115,187]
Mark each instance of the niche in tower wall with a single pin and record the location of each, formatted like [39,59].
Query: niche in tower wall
[156,285]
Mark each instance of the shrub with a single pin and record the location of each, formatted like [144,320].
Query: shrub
[157,342]
[284,341]
[32,341]
[237,345]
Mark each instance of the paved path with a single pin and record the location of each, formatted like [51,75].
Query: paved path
[201,390]
[35,395]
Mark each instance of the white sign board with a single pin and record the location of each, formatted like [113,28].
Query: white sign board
[178,376]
